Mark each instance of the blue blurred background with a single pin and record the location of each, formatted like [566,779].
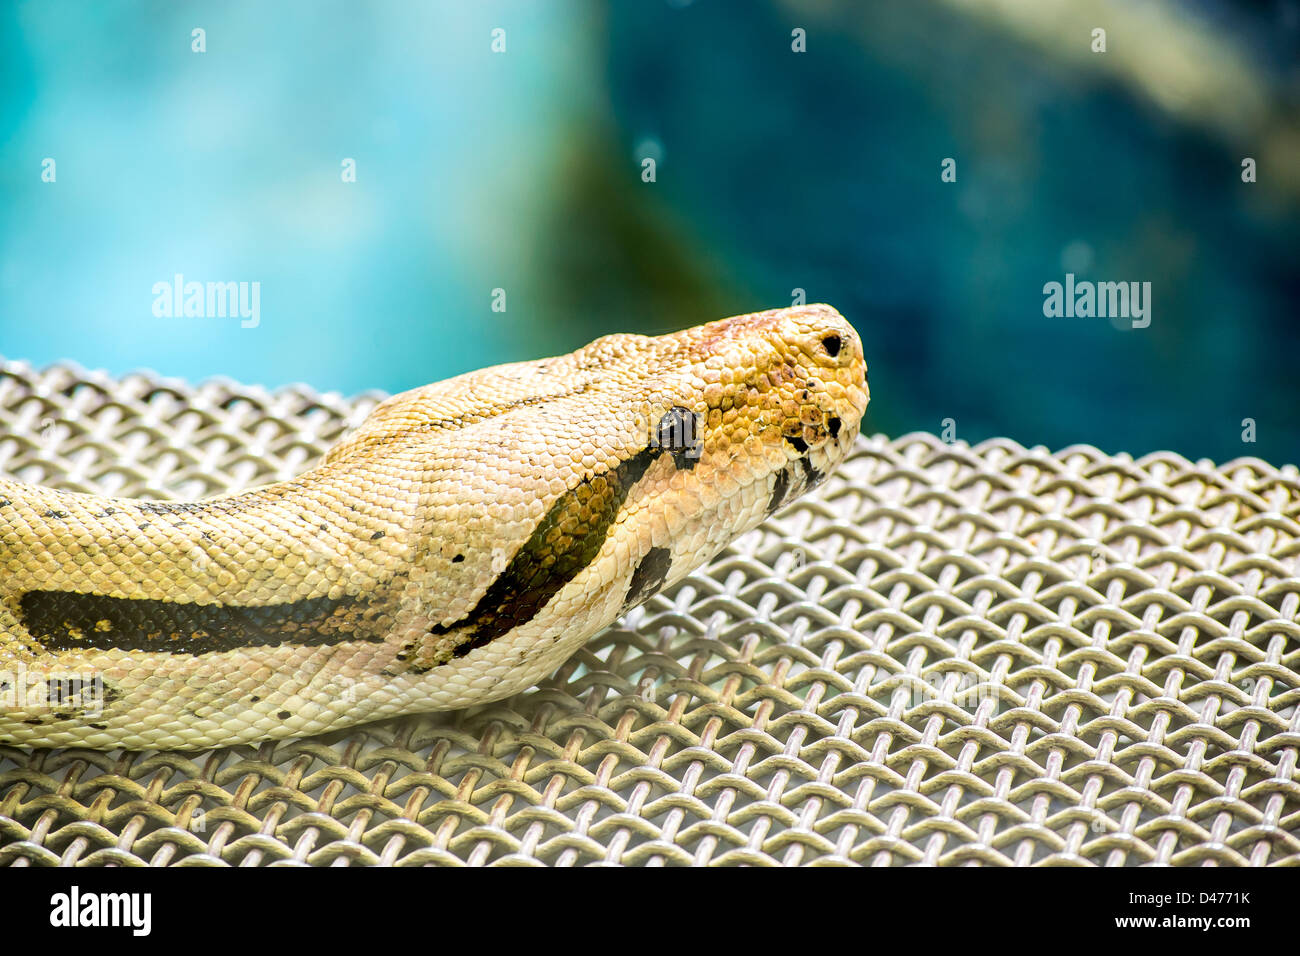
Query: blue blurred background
[775,170]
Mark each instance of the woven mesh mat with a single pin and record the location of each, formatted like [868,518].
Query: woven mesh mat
[949,655]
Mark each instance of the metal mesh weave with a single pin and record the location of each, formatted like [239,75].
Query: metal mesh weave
[948,655]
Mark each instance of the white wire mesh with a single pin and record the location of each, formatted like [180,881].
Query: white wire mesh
[948,655]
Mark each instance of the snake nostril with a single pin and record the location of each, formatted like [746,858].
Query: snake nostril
[834,425]
[832,344]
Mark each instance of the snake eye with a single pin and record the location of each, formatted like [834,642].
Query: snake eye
[832,344]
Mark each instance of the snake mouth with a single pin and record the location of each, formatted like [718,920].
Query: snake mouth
[814,462]
[828,431]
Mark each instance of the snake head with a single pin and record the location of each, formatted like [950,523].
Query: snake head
[773,397]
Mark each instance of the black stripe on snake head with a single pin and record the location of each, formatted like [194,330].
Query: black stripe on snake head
[564,542]
[812,476]
[66,621]
[796,478]
[779,489]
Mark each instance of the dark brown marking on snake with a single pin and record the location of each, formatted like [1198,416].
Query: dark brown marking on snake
[779,490]
[812,477]
[564,542]
[5,503]
[65,620]
[54,514]
[648,577]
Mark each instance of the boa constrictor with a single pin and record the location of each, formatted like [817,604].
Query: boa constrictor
[454,549]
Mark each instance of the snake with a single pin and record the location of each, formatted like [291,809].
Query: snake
[454,549]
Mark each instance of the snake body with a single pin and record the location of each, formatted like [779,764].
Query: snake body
[454,549]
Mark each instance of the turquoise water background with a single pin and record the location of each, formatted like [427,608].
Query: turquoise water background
[775,171]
